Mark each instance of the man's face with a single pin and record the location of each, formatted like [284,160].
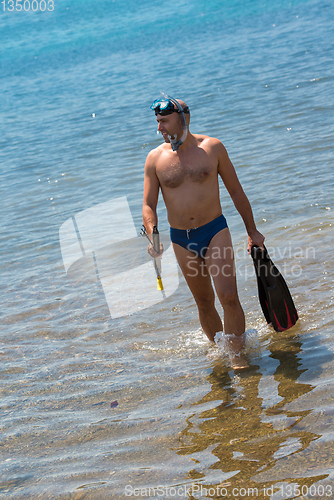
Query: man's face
[169,125]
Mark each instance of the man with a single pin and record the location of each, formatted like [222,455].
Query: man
[186,168]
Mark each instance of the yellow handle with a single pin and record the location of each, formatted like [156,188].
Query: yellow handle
[159,284]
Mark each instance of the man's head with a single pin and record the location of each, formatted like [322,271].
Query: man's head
[170,126]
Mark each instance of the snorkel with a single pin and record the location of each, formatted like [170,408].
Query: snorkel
[175,144]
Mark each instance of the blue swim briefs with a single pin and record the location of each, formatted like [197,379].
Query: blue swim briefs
[197,240]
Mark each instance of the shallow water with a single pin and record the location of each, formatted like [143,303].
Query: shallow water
[95,405]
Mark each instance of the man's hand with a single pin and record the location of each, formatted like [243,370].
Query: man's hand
[255,238]
[153,253]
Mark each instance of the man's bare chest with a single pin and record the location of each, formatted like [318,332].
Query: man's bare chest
[174,173]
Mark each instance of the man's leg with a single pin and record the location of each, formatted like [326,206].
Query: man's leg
[219,259]
[199,282]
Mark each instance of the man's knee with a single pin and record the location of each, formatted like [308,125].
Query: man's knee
[228,296]
[205,303]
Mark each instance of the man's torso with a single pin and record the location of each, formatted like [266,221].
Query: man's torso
[189,184]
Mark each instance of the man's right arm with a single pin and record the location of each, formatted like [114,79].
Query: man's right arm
[151,193]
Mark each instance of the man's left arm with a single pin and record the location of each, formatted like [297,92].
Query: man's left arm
[228,174]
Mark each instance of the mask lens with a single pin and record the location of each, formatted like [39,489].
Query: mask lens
[163,107]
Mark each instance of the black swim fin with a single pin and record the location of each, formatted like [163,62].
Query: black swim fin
[274,296]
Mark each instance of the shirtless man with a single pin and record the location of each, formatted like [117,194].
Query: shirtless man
[186,169]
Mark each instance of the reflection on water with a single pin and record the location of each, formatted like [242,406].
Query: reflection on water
[182,417]
[251,430]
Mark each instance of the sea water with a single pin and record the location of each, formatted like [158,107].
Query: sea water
[100,402]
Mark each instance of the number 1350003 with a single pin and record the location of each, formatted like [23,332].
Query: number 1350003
[26,5]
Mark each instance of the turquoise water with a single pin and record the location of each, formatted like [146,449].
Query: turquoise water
[76,86]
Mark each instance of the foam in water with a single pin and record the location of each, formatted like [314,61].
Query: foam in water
[236,346]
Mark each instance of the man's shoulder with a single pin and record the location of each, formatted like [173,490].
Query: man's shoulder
[206,140]
[154,155]
[158,150]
